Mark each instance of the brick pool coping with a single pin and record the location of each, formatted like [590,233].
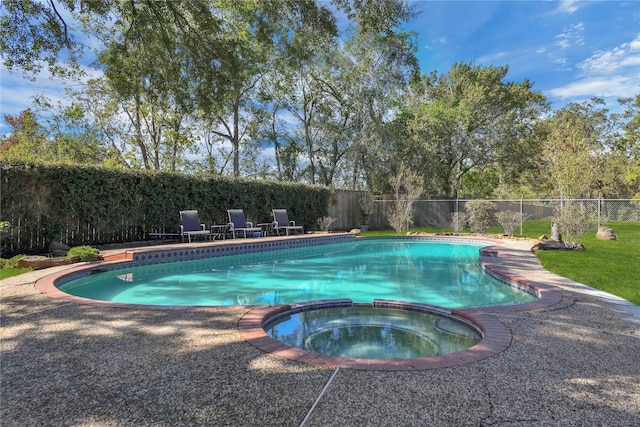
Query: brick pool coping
[496,336]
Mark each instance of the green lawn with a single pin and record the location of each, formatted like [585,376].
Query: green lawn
[12,271]
[611,266]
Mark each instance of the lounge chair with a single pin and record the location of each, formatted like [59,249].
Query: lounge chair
[281,223]
[190,225]
[238,224]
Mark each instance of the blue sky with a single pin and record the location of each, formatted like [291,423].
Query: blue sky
[571,50]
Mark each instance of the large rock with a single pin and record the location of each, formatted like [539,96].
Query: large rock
[557,246]
[606,233]
[555,233]
[57,249]
[40,262]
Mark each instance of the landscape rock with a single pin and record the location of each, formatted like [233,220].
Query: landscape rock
[58,249]
[557,246]
[40,262]
[606,233]
[555,233]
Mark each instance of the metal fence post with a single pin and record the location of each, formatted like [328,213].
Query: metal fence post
[521,216]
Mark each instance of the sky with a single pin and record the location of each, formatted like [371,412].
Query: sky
[571,50]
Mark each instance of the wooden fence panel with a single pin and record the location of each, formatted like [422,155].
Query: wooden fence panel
[344,206]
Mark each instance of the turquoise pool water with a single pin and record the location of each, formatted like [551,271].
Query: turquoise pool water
[444,274]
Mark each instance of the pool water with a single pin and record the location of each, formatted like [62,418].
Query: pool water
[443,274]
[364,332]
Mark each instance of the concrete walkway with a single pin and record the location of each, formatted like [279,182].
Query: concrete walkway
[66,364]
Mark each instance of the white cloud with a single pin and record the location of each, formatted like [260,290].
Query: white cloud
[616,86]
[567,6]
[610,61]
[570,36]
[606,73]
[436,41]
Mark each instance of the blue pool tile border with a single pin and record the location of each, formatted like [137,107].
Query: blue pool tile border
[187,254]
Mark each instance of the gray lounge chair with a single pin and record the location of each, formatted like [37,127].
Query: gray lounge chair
[281,223]
[238,224]
[190,225]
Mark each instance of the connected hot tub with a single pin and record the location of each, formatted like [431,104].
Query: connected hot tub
[380,331]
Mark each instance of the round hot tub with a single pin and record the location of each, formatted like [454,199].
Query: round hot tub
[373,331]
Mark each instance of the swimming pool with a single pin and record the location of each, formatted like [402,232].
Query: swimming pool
[439,273]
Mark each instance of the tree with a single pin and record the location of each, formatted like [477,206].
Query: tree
[469,119]
[631,142]
[27,140]
[33,33]
[581,154]
[165,60]
[375,72]
[64,136]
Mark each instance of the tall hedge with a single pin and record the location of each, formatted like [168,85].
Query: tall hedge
[92,205]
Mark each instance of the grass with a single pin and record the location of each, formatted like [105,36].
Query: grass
[608,265]
[7,272]
[9,267]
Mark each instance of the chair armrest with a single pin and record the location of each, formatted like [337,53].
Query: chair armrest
[181,229]
[204,227]
[249,224]
[292,223]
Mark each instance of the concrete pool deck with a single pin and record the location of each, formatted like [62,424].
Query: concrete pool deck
[576,362]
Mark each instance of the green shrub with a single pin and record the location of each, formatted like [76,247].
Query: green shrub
[85,253]
[481,215]
[87,205]
[458,221]
[509,220]
[11,262]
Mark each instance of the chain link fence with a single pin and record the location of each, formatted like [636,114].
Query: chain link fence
[437,213]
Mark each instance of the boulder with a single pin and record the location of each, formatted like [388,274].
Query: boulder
[40,262]
[557,246]
[606,233]
[58,249]
[555,233]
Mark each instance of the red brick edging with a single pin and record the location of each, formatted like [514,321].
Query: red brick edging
[496,338]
